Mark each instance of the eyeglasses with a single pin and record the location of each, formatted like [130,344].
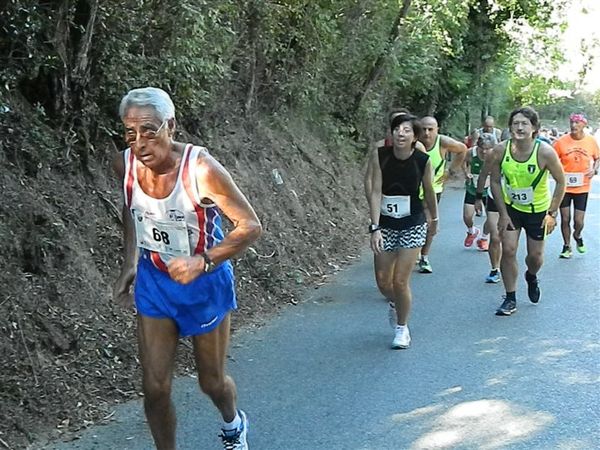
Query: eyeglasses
[131,135]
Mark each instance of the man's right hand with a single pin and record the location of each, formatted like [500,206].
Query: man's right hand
[478,206]
[505,224]
[122,295]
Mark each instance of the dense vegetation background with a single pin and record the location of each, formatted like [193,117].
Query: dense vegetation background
[297,86]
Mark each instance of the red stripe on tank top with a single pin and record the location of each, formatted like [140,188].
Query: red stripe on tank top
[129,182]
[200,213]
[158,262]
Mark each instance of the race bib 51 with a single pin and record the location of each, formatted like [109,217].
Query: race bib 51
[396,206]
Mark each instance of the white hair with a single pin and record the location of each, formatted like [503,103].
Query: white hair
[153,97]
[487,138]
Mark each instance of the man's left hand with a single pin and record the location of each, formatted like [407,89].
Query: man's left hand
[549,223]
[185,269]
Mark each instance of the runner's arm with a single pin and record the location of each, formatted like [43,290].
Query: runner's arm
[552,163]
[484,173]
[495,158]
[466,165]
[458,148]
[375,199]
[595,162]
[368,179]
[216,184]
[128,269]
[429,192]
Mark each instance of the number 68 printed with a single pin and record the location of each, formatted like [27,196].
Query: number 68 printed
[160,236]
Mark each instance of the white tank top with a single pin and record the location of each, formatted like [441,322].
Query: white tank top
[177,225]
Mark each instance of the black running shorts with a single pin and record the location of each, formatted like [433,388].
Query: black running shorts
[531,222]
[579,201]
[490,205]
[470,199]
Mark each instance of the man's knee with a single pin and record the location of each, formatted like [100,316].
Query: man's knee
[509,250]
[155,389]
[212,384]
[535,259]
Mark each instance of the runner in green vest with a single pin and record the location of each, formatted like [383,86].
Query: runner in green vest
[519,180]
[472,169]
[491,219]
[438,146]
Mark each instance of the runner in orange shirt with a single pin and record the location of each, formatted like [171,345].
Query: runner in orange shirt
[580,157]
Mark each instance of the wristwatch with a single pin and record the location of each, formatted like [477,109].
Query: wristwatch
[209,265]
[552,214]
[373,228]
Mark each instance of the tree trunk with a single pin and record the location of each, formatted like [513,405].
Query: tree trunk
[377,68]
[81,81]
[253,20]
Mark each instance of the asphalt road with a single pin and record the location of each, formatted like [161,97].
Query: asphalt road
[322,375]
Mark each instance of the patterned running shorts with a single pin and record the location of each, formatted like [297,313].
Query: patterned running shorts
[413,237]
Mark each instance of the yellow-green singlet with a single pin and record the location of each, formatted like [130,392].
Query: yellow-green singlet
[438,163]
[524,185]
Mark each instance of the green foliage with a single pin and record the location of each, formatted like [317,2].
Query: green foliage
[233,57]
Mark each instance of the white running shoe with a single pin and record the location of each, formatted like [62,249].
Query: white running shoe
[392,316]
[402,338]
[236,439]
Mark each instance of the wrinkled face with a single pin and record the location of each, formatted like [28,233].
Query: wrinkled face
[146,135]
[404,135]
[577,126]
[485,148]
[430,132]
[521,127]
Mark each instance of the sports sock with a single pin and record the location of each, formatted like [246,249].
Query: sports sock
[234,424]
[471,230]
[511,296]
[530,277]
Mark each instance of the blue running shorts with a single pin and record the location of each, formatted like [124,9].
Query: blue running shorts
[196,308]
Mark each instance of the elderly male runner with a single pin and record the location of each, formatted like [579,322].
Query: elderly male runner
[579,156]
[183,278]
[519,180]
[438,146]
[484,194]
[472,167]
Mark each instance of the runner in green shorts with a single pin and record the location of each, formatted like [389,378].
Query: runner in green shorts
[472,169]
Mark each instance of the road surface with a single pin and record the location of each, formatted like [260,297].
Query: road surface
[321,375]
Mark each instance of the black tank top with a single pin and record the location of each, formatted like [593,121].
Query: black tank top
[402,177]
